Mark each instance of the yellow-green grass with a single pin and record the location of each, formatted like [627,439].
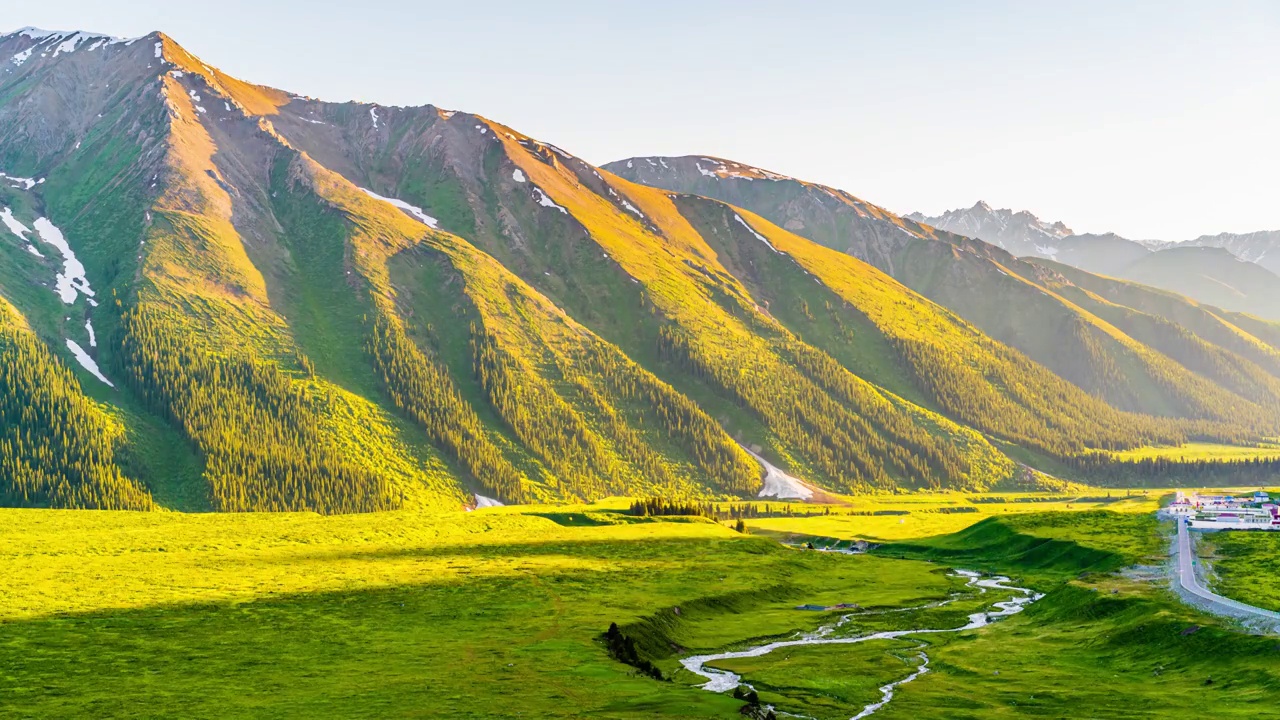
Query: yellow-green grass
[1104,647]
[1246,566]
[493,613]
[930,514]
[72,561]
[1202,451]
[1098,645]
[834,682]
[499,613]
[57,561]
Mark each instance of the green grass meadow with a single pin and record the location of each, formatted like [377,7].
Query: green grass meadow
[500,613]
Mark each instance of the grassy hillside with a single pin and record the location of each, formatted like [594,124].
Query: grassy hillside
[301,305]
[518,599]
[959,370]
[1136,359]
[625,263]
[260,321]
[1214,276]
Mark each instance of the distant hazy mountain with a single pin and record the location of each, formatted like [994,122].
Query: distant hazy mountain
[1262,247]
[1207,277]
[1021,233]
[1211,274]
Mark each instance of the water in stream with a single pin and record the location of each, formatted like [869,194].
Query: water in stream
[724,681]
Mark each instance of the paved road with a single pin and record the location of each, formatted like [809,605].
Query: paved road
[1202,596]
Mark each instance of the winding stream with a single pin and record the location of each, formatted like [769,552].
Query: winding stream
[724,680]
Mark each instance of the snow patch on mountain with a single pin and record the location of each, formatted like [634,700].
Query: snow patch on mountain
[545,201]
[71,282]
[484,502]
[752,230]
[1253,247]
[86,361]
[21,182]
[413,210]
[64,41]
[15,227]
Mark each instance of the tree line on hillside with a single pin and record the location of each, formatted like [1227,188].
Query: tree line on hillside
[544,421]
[1247,370]
[598,422]
[420,386]
[1105,469]
[256,427]
[843,426]
[725,465]
[1026,405]
[984,384]
[599,412]
[622,647]
[57,449]
[664,507]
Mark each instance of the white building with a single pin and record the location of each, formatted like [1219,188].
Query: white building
[1226,512]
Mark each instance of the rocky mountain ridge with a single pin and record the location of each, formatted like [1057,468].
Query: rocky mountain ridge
[1212,281]
[243,299]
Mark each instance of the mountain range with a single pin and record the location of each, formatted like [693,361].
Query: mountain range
[216,295]
[1232,271]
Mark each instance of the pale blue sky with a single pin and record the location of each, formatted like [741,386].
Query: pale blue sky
[1155,120]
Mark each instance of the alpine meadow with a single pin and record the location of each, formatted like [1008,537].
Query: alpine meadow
[337,409]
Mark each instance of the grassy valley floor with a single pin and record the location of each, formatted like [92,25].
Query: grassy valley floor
[501,613]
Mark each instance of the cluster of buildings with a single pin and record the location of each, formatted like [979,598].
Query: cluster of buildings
[1226,512]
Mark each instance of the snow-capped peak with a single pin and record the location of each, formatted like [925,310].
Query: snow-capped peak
[34,33]
[1021,232]
[68,41]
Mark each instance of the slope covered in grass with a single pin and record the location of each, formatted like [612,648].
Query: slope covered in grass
[624,262]
[1136,359]
[973,379]
[305,305]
